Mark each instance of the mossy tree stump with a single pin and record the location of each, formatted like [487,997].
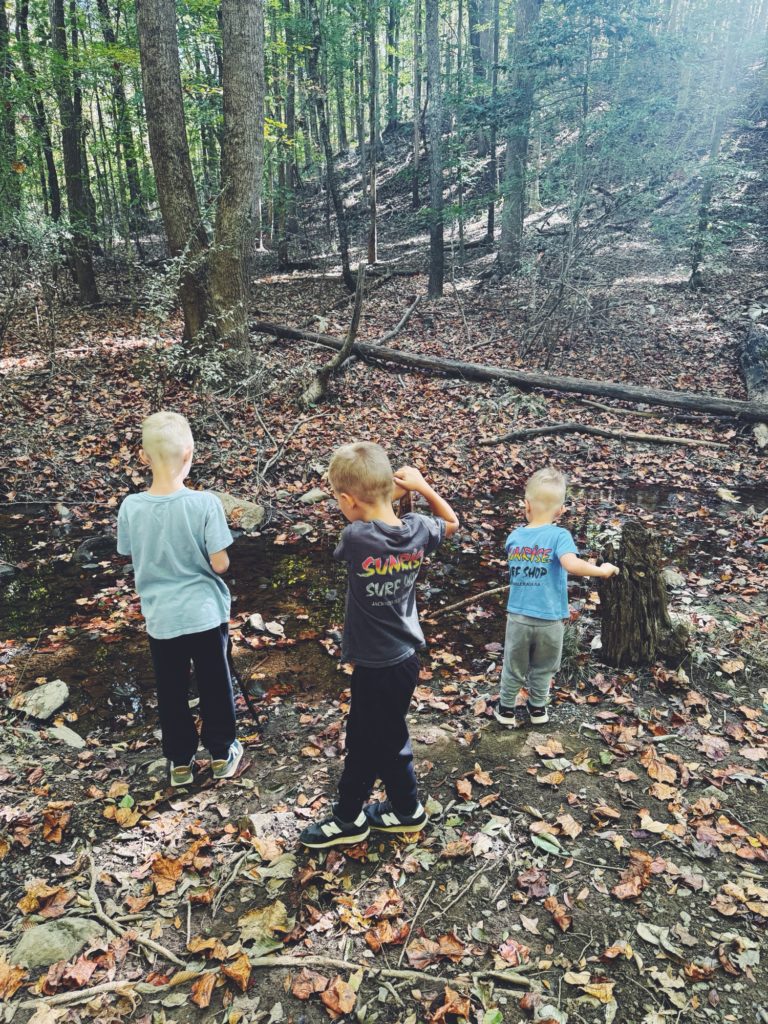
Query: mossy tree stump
[636,627]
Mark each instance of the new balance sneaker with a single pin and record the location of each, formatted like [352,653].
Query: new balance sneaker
[335,832]
[382,817]
[182,774]
[515,717]
[225,767]
[538,716]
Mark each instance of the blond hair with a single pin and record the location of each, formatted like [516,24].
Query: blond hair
[361,469]
[166,436]
[546,489]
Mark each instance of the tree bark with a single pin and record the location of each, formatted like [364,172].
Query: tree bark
[373,129]
[318,387]
[493,163]
[80,250]
[163,100]
[415,201]
[137,213]
[754,366]
[10,181]
[39,118]
[521,107]
[752,412]
[325,136]
[636,628]
[242,35]
[434,134]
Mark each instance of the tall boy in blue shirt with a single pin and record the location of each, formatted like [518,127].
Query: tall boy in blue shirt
[540,556]
[177,541]
[383,554]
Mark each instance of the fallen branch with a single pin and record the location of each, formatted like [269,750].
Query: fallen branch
[754,412]
[316,390]
[400,324]
[586,428]
[86,994]
[465,600]
[462,981]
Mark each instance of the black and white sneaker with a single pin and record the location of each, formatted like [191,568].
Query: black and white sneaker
[515,718]
[335,832]
[382,817]
[538,716]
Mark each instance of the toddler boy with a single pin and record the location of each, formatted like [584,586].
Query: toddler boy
[540,556]
[381,636]
[177,540]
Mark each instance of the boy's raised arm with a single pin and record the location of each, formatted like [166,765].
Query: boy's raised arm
[579,567]
[410,479]
[219,561]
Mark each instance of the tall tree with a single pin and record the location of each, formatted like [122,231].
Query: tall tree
[373,128]
[77,203]
[325,138]
[521,89]
[434,135]
[416,158]
[10,190]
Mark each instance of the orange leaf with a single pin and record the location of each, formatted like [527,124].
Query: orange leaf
[339,998]
[557,910]
[464,789]
[239,971]
[202,990]
[308,982]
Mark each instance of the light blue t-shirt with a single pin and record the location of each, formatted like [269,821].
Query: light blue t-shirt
[169,538]
[538,584]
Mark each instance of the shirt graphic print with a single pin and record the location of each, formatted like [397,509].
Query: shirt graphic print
[538,584]
[381,623]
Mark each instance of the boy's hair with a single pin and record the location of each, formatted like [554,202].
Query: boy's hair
[546,489]
[361,469]
[166,436]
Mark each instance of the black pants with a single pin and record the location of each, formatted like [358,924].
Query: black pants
[378,745]
[171,660]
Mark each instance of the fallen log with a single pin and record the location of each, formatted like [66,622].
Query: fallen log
[588,428]
[754,366]
[754,412]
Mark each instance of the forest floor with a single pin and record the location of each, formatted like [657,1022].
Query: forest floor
[610,867]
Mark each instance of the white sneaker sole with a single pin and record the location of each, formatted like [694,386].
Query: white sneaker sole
[230,771]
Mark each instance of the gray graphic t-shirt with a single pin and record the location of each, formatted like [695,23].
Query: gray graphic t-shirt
[381,623]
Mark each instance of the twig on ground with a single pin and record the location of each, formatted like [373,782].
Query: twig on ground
[466,600]
[100,915]
[413,921]
[588,428]
[238,864]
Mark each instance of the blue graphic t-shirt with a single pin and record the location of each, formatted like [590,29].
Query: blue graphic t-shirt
[538,584]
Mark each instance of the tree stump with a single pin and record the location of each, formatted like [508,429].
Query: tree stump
[636,627]
[754,366]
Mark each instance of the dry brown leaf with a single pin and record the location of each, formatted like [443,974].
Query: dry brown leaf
[239,971]
[558,912]
[458,848]
[11,978]
[569,825]
[388,903]
[657,768]
[454,1005]
[307,982]
[635,876]
[387,933]
[514,953]
[464,789]
[481,777]
[338,998]
[202,989]
[166,872]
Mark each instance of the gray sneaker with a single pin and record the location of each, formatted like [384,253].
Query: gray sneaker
[182,774]
[225,768]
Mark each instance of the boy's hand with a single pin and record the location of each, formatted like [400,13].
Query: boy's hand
[398,492]
[609,569]
[410,479]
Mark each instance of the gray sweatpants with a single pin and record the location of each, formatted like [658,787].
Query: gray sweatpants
[532,650]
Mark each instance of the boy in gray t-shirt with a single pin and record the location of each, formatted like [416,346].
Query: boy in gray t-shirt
[177,541]
[383,554]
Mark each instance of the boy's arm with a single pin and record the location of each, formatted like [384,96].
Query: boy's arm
[578,567]
[219,561]
[410,479]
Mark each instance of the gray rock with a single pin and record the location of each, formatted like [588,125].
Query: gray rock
[673,577]
[7,572]
[245,514]
[68,736]
[314,496]
[46,944]
[44,701]
[256,624]
[302,529]
[99,548]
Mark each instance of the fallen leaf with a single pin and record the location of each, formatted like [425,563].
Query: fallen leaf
[202,989]
[558,912]
[239,971]
[307,982]
[338,998]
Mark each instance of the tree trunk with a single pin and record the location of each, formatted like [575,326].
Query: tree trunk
[415,202]
[317,389]
[137,213]
[80,249]
[325,136]
[752,412]
[373,128]
[290,95]
[636,628]
[242,35]
[434,133]
[187,238]
[754,366]
[10,181]
[521,104]
[493,163]
[39,118]
[341,108]
[393,17]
